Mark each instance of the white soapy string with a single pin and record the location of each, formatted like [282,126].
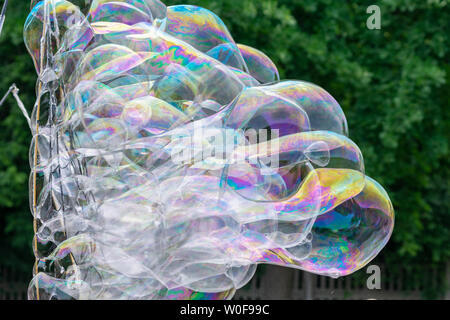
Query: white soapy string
[2,15]
[15,92]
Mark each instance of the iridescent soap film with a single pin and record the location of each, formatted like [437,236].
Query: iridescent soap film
[168,161]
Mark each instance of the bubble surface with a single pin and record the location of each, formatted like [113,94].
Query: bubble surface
[168,161]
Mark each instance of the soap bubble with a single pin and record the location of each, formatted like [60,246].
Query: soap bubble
[168,161]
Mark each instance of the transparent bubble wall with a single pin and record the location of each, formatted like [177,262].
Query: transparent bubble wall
[168,161]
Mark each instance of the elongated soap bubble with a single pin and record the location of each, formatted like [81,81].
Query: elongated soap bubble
[259,64]
[167,161]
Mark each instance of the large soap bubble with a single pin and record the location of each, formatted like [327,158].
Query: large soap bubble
[168,161]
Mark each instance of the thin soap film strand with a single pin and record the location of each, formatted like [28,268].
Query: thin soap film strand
[41,64]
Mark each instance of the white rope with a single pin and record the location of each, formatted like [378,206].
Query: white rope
[15,92]
[2,15]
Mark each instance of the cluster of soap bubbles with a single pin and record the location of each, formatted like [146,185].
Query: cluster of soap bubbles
[169,161]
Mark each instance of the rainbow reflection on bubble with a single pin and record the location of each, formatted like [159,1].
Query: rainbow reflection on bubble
[168,161]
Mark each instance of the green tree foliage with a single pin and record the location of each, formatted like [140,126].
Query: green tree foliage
[392,83]
[16,229]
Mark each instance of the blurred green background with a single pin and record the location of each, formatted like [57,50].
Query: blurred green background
[393,84]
